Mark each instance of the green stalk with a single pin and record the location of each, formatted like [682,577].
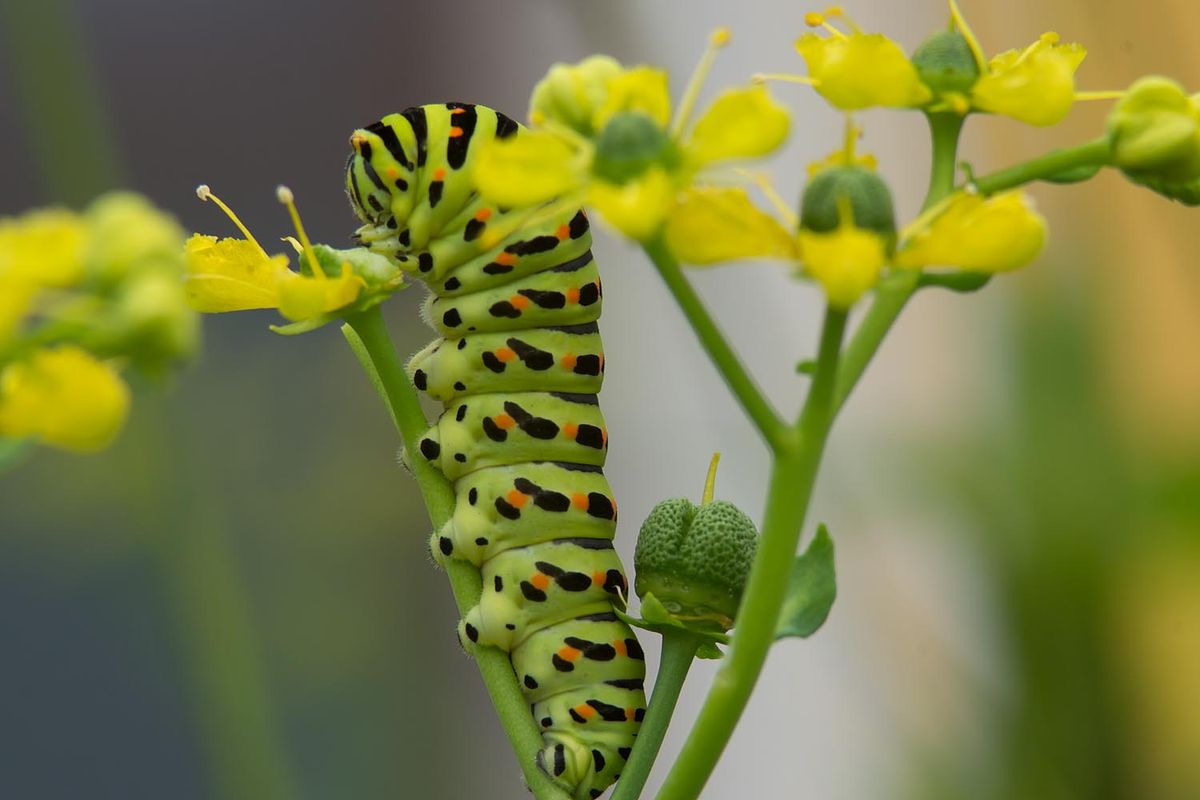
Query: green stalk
[1095,153]
[893,294]
[368,337]
[792,479]
[678,650]
[730,367]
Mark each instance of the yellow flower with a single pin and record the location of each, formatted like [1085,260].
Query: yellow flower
[860,70]
[65,398]
[130,235]
[846,261]
[1035,85]
[625,160]
[984,234]
[43,248]
[238,275]
[16,300]
[712,225]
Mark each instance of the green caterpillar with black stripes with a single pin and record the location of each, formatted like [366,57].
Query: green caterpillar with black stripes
[518,366]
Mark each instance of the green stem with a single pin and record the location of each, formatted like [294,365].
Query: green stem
[368,337]
[678,650]
[893,294]
[1095,153]
[730,367]
[792,479]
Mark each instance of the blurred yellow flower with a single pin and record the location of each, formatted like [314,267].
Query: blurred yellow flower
[860,70]
[627,160]
[711,225]
[1035,85]
[64,397]
[984,234]
[43,248]
[847,261]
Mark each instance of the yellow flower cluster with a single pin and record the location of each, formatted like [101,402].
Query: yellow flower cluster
[855,70]
[80,295]
[603,135]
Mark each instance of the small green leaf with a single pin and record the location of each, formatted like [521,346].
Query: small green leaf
[654,611]
[1186,192]
[811,589]
[709,650]
[806,367]
[963,281]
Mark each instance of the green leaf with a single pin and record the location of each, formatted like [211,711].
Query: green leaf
[654,611]
[709,650]
[1186,192]
[806,367]
[963,282]
[811,590]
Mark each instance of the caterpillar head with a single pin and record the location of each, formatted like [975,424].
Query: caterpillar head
[381,179]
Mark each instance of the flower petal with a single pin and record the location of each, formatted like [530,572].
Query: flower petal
[303,297]
[642,89]
[527,169]
[1035,85]
[231,275]
[846,262]
[711,225]
[638,207]
[571,94]
[741,123]
[43,247]
[65,397]
[994,234]
[862,70]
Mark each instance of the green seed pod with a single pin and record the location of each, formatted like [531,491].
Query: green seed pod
[696,560]
[866,195]
[945,63]
[630,144]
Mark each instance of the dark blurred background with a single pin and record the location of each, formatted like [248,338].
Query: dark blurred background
[235,601]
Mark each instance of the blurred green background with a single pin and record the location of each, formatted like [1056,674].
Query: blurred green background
[235,600]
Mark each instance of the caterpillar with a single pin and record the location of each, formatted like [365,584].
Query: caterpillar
[518,366]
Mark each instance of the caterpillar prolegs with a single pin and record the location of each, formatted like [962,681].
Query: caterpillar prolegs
[518,367]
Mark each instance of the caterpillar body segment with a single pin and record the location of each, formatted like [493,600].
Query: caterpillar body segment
[518,367]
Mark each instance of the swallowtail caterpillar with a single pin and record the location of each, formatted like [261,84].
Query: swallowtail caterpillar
[515,296]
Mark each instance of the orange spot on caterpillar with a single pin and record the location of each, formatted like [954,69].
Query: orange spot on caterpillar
[579,500]
[604,436]
[585,711]
[483,214]
[568,361]
[454,112]
[504,421]
[630,713]
[568,653]
[505,354]
[392,172]
[455,132]
[572,295]
[570,429]
[518,499]
[563,232]
[598,578]
[507,259]
[519,301]
[439,174]
[357,140]
[619,646]
[541,581]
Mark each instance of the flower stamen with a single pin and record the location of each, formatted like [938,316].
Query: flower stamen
[285,196]
[718,39]
[959,22]
[206,194]
[782,77]
[762,181]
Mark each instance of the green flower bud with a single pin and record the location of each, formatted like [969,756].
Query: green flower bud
[630,144]
[696,559]
[1155,132]
[128,234]
[945,63]
[867,196]
[155,325]
[571,94]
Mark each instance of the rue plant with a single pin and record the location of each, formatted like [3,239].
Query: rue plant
[671,178]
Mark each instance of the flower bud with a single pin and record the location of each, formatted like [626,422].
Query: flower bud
[572,94]
[1155,131]
[129,234]
[630,144]
[945,63]
[696,560]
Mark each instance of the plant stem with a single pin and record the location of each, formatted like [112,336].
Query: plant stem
[678,650]
[730,367]
[893,294]
[1089,154]
[368,337]
[792,479]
